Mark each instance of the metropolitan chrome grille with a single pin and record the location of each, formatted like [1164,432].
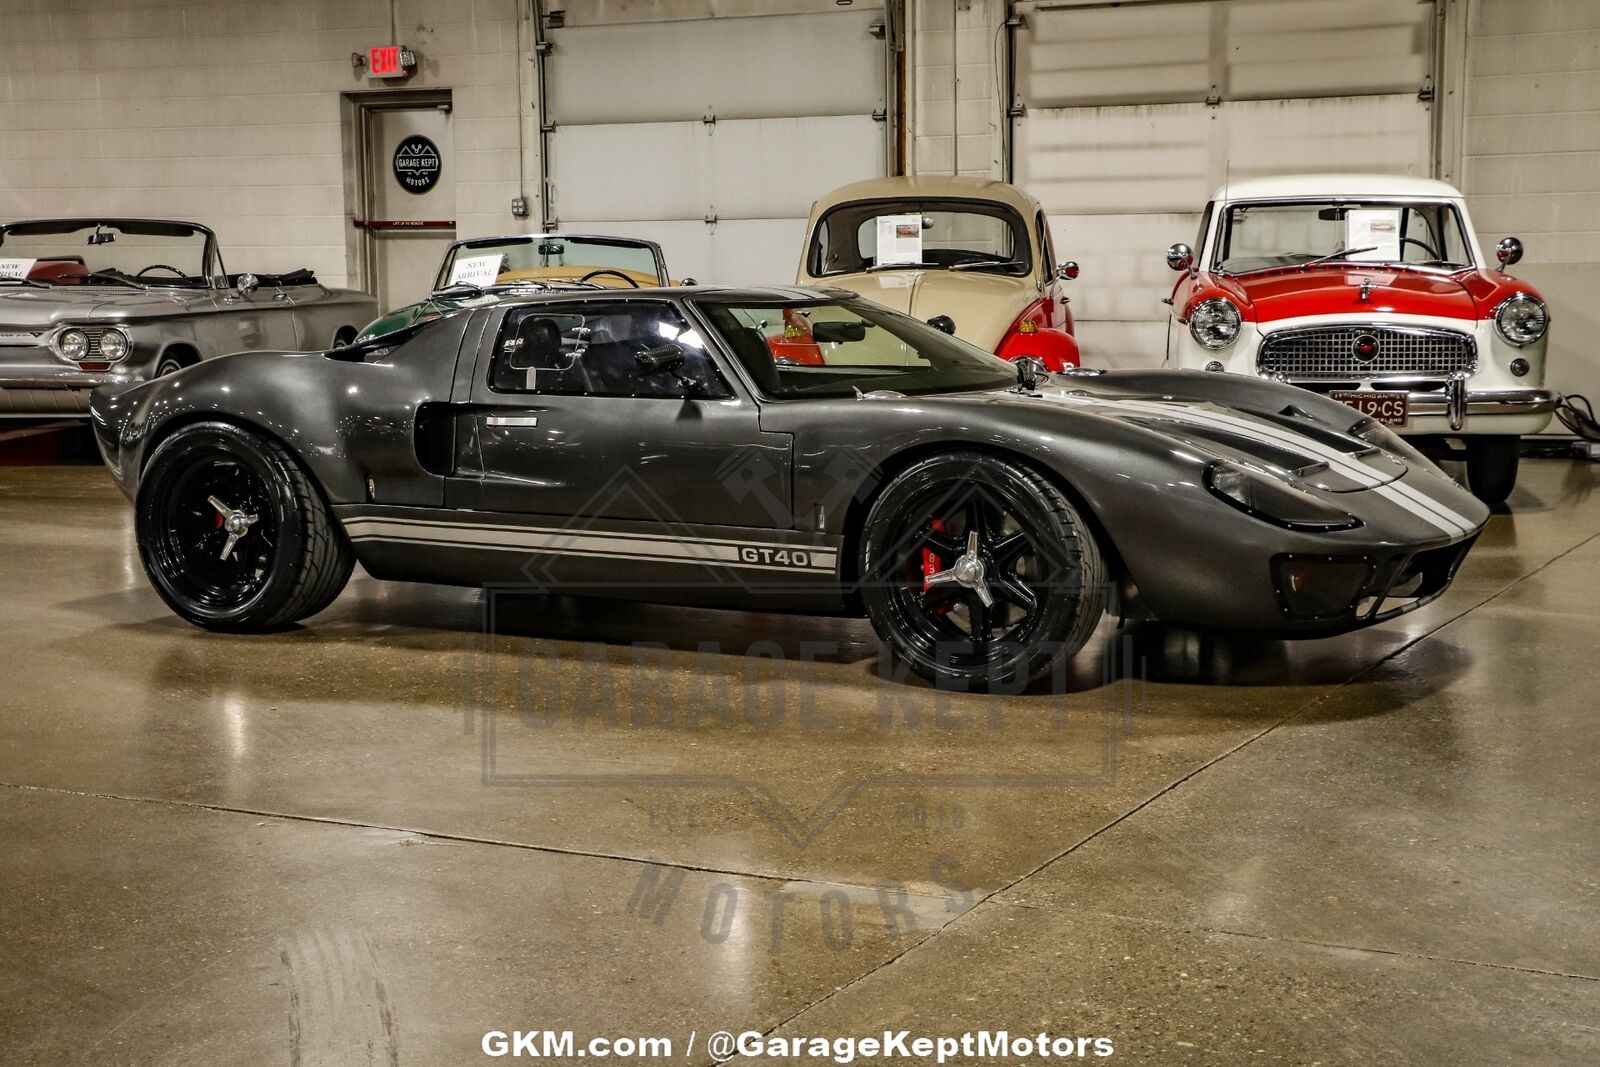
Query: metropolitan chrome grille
[1357,352]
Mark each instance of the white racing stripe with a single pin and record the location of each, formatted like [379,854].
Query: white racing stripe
[1404,496]
[661,548]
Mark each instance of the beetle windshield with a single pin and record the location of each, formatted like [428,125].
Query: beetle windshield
[610,264]
[113,252]
[913,233]
[833,348]
[1267,235]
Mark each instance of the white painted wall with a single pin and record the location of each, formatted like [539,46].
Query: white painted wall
[1529,159]
[228,112]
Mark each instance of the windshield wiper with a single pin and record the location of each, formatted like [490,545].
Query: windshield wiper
[900,266]
[112,274]
[1344,253]
[991,264]
[23,281]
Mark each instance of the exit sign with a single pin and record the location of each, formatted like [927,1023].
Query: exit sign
[390,61]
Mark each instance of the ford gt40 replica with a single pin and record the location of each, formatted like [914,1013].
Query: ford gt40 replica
[1371,290]
[88,302]
[484,270]
[649,444]
[970,254]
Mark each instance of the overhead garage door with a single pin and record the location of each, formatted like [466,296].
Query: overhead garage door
[714,136]
[1132,115]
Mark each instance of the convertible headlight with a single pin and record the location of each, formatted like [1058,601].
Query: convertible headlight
[1214,323]
[73,344]
[1275,501]
[113,345]
[1521,319]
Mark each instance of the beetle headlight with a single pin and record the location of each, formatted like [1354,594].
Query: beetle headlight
[73,344]
[1214,323]
[113,345]
[1272,500]
[1521,319]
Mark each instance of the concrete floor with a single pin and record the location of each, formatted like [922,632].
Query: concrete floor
[370,840]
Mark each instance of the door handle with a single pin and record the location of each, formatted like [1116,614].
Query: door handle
[513,420]
[280,295]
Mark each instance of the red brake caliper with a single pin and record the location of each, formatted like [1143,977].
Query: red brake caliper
[932,566]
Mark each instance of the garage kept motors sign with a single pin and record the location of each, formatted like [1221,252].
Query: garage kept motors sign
[417,164]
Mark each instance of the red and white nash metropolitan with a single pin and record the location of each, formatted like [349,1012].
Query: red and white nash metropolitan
[1370,289]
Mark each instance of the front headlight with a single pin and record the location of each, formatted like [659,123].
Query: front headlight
[1521,319]
[1272,500]
[1214,323]
[113,345]
[73,344]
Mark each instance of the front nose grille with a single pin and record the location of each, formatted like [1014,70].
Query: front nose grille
[93,334]
[1364,352]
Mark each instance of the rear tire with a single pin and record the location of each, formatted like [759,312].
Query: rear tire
[1492,467]
[233,533]
[169,364]
[956,527]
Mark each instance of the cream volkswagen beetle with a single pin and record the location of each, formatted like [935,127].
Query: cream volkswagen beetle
[970,255]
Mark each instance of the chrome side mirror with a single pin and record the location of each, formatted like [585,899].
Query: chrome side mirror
[1508,251]
[1180,256]
[247,284]
[1067,270]
[1030,371]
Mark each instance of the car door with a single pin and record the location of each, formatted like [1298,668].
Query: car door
[565,428]
[258,320]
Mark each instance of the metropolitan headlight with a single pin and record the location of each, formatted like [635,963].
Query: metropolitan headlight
[73,344]
[113,345]
[1521,319]
[1271,500]
[1214,323]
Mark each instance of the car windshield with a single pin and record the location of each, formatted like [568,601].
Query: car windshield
[901,234]
[1267,235]
[834,348]
[123,252]
[510,260]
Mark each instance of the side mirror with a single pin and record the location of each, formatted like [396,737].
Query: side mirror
[1508,251]
[1030,369]
[1180,256]
[667,357]
[944,323]
[687,281]
[247,284]
[1068,270]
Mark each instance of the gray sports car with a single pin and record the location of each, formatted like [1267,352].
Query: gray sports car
[88,302]
[777,448]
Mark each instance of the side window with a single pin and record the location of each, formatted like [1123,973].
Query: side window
[591,350]
[1047,251]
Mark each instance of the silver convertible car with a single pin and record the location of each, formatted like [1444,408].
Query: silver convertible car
[90,302]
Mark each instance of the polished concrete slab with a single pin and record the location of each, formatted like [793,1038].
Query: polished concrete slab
[375,837]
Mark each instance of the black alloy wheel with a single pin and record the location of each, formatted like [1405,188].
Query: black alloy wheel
[979,573]
[233,534]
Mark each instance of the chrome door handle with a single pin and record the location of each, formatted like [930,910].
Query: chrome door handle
[513,420]
[280,295]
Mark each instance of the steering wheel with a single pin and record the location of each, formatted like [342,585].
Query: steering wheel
[160,266]
[1422,245]
[613,273]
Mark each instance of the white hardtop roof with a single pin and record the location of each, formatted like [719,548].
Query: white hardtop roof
[1336,186]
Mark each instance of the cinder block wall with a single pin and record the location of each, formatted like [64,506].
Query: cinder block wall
[1530,160]
[954,49]
[229,112]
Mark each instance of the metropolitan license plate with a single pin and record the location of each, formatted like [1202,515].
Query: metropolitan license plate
[1387,408]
